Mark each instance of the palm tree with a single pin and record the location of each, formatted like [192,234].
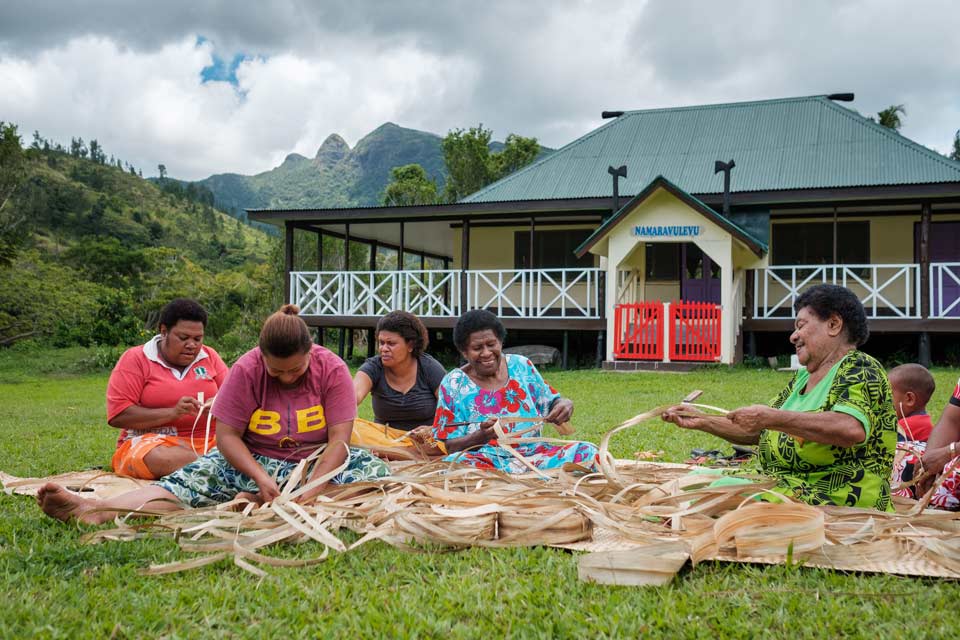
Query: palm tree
[890,117]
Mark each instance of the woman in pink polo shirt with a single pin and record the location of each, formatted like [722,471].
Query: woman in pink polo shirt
[154,395]
[281,402]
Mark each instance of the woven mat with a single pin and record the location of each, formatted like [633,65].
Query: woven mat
[871,557]
[90,484]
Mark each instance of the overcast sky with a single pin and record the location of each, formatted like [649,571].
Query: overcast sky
[212,87]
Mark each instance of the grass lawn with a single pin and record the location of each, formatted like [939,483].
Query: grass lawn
[53,586]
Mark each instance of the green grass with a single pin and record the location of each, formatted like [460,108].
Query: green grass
[53,586]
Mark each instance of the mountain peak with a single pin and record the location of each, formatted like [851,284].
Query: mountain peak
[293,158]
[333,150]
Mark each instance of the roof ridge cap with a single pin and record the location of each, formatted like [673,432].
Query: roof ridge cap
[895,136]
[715,105]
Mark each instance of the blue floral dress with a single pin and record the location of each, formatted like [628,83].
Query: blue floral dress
[526,394]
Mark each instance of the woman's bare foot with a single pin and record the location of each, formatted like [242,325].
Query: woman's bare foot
[63,505]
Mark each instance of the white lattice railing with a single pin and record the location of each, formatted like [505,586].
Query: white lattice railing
[886,290]
[524,293]
[945,290]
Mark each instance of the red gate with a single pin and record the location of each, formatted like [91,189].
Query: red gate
[695,331]
[638,331]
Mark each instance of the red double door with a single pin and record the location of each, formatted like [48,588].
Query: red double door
[694,331]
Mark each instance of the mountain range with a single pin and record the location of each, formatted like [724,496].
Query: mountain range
[337,176]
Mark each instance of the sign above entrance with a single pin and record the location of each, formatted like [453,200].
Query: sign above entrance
[667,231]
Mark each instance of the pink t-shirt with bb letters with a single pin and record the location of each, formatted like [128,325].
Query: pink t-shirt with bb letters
[286,423]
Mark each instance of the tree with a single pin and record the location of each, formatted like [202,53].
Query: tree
[470,164]
[13,230]
[517,153]
[162,168]
[409,185]
[890,117]
[955,154]
[467,156]
[11,162]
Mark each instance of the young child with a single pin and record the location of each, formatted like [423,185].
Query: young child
[912,387]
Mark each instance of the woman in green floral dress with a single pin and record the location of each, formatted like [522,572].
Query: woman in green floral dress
[829,436]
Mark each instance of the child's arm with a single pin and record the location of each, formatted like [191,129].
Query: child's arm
[231,445]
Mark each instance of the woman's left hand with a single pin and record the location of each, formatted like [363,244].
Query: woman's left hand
[933,462]
[561,411]
[752,419]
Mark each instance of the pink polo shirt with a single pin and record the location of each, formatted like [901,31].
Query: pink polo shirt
[142,378]
[282,423]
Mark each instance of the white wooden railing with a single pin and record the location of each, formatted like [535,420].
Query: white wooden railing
[945,290]
[524,293]
[886,290]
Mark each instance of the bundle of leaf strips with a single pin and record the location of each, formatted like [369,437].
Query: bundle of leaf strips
[656,513]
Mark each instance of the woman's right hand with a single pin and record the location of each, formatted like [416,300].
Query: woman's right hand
[685,417]
[187,405]
[269,490]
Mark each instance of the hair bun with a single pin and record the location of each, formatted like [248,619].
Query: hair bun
[289,310]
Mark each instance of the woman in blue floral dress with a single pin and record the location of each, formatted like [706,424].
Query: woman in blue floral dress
[493,384]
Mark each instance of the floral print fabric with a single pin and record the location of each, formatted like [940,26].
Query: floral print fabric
[947,495]
[526,394]
[211,480]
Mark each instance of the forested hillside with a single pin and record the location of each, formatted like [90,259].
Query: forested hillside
[337,176]
[91,251]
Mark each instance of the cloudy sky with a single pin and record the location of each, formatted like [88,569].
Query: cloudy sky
[230,85]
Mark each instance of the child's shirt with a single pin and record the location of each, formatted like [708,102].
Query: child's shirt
[916,427]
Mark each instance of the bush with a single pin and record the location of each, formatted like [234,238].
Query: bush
[101,359]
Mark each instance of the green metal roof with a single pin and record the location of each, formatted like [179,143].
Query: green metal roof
[756,245]
[791,143]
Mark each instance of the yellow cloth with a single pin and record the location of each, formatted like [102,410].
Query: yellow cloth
[370,434]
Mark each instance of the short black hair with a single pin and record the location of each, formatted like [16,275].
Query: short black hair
[407,326]
[913,377]
[477,320]
[182,309]
[828,299]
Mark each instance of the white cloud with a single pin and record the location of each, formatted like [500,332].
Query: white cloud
[129,75]
[151,107]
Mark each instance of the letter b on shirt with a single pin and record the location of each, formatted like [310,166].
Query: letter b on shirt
[310,419]
[265,423]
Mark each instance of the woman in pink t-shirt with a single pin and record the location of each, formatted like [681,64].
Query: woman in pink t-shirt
[281,402]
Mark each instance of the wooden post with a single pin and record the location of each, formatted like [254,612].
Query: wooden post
[343,337]
[287,258]
[400,250]
[321,338]
[346,247]
[464,262]
[533,225]
[923,349]
[566,350]
[373,267]
[835,235]
[320,250]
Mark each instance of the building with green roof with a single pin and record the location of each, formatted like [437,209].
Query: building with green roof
[817,193]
